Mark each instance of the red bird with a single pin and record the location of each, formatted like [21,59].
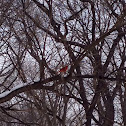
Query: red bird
[63,70]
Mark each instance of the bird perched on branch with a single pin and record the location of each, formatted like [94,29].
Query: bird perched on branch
[62,72]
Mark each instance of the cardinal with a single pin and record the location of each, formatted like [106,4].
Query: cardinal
[63,70]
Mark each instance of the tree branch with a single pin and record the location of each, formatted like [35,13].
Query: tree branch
[6,96]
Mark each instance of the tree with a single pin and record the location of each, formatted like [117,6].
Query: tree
[39,39]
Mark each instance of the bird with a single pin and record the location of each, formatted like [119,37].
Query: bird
[64,69]
[62,72]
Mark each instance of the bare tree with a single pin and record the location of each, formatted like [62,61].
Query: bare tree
[63,62]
